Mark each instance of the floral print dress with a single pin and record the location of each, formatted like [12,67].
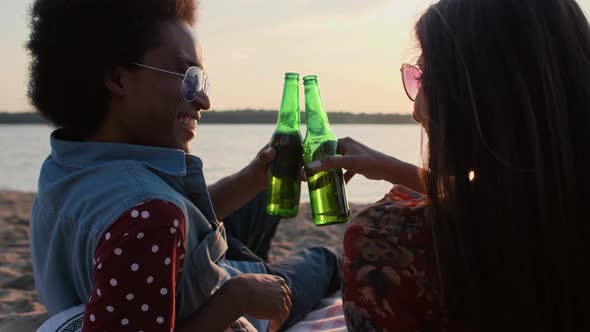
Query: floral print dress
[389,274]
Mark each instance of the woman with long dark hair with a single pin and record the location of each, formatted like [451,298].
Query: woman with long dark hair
[500,238]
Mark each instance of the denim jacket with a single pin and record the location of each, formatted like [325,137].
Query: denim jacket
[85,186]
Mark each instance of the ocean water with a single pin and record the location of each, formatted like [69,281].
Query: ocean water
[225,149]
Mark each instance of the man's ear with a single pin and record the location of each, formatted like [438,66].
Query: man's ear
[116,81]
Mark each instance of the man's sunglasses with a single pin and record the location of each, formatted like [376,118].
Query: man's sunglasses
[194,80]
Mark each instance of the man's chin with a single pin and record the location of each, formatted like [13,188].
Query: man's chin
[181,142]
[184,146]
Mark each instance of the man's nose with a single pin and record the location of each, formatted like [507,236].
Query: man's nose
[202,101]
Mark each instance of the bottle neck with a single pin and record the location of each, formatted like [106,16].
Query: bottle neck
[289,114]
[316,117]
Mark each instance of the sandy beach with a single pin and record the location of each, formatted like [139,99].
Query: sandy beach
[19,307]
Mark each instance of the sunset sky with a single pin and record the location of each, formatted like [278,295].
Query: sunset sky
[354,46]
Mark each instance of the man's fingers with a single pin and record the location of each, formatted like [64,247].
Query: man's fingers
[289,303]
[286,310]
[274,326]
[284,285]
[266,147]
[268,155]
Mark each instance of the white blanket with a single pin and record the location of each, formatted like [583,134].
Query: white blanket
[327,317]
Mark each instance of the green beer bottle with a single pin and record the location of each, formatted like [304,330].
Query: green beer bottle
[327,191]
[284,173]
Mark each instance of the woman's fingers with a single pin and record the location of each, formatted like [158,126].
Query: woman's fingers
[346,162]
[344,145]
[303,174]
[348,175]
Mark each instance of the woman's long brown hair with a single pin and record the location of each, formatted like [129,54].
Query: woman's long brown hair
[507,85]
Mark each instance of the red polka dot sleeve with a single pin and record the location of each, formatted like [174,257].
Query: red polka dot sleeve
[137,264]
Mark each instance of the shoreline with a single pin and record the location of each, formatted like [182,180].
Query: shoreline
[20,309]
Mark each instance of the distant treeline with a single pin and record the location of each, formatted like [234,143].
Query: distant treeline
[18,118]
[245,117]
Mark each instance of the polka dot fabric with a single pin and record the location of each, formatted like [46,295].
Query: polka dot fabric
[137,264]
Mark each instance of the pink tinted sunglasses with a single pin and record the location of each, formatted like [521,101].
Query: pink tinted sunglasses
[411,76]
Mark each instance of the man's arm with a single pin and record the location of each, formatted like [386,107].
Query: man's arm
[234,191]
[218,313]
[240,296]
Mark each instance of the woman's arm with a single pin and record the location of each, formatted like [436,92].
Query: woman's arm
[357,158]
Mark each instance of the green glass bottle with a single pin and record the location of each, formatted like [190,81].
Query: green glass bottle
[327,190]
[284,173]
